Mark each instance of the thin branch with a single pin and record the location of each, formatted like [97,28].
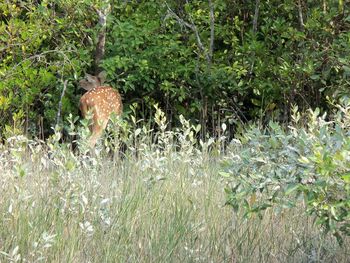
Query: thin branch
[255,30]
[39,57]
[324,6]
[256,16]
[101,43]
[58,117]
[191,26]
[182,22]
[341,6]
[301,19]
[212,32]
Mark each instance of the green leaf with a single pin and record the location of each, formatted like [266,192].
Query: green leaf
[292,188]
[304,160]
[225,174]
[346,177]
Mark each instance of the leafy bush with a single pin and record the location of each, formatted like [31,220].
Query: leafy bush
[304,165]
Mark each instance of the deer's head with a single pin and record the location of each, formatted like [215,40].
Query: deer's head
[91,81]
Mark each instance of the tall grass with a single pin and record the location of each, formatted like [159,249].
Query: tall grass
[156,200]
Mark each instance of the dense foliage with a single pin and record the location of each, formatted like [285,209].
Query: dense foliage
[211,61]
[309,165]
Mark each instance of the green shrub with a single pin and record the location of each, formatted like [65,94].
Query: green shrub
[307,165]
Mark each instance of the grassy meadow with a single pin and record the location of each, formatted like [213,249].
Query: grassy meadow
[157,198]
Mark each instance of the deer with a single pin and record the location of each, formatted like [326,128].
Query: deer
[101,101]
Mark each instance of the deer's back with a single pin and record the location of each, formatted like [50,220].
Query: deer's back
[104,100]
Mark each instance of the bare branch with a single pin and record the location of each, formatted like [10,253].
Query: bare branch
[341,6]
[58,117]
[256,15]
[324,6]
[191,26]
[212,33]
[255,30]
[100,47]
[11,72]
[182,22]
[301,19]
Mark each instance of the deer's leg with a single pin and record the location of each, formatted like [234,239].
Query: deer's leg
[95,128]
[99,124]
[96,134]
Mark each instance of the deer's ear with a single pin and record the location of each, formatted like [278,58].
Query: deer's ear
[86,85]
[102,77]
[89,82]
[92,79]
